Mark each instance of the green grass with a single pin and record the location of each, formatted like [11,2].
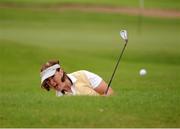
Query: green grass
[165,4]
[89,41]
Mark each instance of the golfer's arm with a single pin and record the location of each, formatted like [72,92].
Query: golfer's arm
[102,88]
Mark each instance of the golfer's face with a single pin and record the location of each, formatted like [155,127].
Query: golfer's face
[55,81]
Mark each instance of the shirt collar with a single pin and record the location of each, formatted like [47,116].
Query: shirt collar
[73,79]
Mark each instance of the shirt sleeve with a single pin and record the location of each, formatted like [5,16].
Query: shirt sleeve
[94,79]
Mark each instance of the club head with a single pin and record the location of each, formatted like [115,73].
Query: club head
[124,35]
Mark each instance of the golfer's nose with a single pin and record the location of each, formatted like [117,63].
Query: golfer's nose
[52,82]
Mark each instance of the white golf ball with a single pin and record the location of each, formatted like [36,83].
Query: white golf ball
[142,72]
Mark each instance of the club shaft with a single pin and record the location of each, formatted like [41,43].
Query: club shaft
[115,68]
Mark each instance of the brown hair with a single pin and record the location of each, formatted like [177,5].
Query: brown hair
[45,66]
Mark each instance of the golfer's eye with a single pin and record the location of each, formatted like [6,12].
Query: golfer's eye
[50,78]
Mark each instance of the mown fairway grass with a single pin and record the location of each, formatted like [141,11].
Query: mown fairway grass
[89,41]
[164,4]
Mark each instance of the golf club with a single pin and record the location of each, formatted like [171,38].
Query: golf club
[123,34]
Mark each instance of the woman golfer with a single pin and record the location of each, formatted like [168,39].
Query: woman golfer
[77,83]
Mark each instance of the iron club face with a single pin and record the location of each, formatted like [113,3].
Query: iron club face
[124,35]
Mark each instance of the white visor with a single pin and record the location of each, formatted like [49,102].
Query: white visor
[49,72]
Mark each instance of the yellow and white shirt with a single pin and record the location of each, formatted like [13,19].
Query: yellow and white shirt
[84,83]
